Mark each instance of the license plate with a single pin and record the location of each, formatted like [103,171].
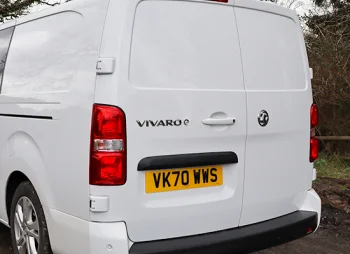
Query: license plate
[183,179]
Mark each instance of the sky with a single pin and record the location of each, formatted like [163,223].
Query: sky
[306,6]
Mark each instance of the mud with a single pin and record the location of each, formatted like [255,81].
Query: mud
[333,235]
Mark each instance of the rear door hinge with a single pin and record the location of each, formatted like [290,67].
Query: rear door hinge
[105,65]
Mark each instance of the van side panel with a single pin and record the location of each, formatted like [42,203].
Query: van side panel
[278,173]
[6,33]
[48,91]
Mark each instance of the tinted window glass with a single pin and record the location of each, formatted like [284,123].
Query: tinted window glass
[5,39]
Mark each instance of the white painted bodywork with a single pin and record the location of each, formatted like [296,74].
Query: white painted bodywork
[160,60]
[276,74]
[183,88]
[51,71]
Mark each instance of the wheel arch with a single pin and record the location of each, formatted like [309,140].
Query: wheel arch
[26,163]
[14,180]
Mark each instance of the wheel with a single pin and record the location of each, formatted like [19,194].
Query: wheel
[29,232]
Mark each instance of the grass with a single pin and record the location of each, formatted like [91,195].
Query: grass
[332,166]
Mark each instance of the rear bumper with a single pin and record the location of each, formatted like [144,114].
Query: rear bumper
[72,235]
[245,239]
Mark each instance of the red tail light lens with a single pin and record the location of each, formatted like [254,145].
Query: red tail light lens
[313,139]
[108,122]
[107,169]
[220,1]
[314,115]
[313,149]
[108,146]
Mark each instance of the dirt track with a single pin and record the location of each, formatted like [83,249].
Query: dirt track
[333,236]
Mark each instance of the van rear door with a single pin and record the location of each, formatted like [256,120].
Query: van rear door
[181,87]
[277,172]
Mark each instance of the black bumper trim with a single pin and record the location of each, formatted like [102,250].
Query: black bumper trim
[187,160]
[239,240]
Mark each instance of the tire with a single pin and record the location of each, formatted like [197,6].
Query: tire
[27,221]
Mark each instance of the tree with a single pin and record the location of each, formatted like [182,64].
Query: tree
[327,37]
[10,9]
[291,4]
[331,3]
[335,18]
[328,43]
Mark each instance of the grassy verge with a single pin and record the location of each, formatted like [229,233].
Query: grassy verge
[332,166]
[333,182]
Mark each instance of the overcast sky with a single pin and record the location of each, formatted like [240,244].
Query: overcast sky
[306,6]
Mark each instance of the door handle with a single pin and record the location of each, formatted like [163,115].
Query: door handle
[220,121]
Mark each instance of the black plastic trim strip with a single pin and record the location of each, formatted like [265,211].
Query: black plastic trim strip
[28,116]
[187,160]
[239,240]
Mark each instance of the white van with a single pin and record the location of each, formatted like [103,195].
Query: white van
[156,126]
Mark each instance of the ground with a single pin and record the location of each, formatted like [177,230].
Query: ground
[333,236]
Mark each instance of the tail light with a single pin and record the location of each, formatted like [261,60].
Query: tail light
[313,149]
[313,139]
[108,146]
[314,115]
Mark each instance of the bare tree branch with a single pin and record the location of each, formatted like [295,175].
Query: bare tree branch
[10,9]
